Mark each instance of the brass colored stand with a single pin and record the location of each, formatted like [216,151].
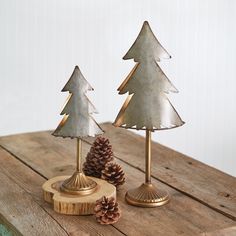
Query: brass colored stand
[147,195]
[78,183]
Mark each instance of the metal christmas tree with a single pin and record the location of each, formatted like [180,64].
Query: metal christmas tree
[147,107]
[78,123]
[77,194]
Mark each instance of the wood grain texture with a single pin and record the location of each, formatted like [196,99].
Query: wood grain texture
[182,216]
[20,210]
[202,182]
[231,231]
[31,183]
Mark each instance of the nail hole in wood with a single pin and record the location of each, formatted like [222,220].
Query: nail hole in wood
[190,163]
[167,168]
[222,205]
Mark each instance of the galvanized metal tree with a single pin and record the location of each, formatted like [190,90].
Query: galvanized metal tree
[78,123]
[147,106]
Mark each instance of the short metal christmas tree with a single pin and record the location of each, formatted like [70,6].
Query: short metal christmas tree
[147,107]
[78,123]
[77,194]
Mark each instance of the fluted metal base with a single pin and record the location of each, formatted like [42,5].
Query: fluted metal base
[147,195]
[79,184]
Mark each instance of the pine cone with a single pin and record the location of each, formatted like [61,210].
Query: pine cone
[99,154]
[113,174]
[107,211]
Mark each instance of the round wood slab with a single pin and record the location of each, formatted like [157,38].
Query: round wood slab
[72,204]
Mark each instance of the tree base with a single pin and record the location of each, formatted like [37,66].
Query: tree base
[71,204]
[147,196]
[79,184]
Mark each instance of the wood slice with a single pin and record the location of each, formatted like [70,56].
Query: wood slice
[71,204]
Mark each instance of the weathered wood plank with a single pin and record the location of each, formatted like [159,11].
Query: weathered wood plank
[182,216]
[202,182]
[31,182]
[223,232]
[20,210]
[6,226]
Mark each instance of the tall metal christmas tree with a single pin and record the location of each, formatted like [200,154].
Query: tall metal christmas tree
[78,123]
[147,107]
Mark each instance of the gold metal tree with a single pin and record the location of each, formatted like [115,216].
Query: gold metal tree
[78,123]
[147,107]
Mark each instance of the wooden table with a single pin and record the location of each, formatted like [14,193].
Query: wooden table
[203,198]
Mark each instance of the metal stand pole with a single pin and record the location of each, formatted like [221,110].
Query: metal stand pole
[148,157]
[79,154]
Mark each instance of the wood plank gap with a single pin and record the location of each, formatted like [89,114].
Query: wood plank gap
[119,230]
[23,161]
[173,187]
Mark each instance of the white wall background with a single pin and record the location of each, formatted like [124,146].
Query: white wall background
[41,42]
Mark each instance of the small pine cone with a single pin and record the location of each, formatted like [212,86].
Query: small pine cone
[99,154]
[113,174]
[107,211]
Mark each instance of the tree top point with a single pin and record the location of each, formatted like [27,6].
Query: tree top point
[77,82]
[146,46]
[77,69]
